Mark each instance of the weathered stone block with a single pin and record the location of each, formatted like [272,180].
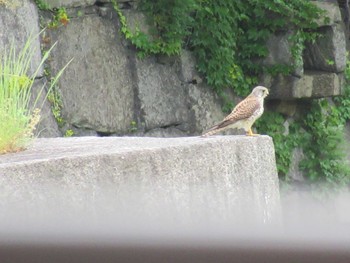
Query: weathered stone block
[328,53]
[281,86]
[313,84]
[304,87]
[294,171]
[206,107]
[189,73]
[205,104]
[165,132]
[136,20]
[280,52]
[286,107]
[97,88]
[332,13]
[18,21]
[119,1]
[47,127]
[317,84]
[68,3]
[163,98]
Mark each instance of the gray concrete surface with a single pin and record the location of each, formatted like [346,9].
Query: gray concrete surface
[223,177]
[191,199]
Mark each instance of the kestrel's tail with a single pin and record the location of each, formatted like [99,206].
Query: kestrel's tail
[212,131]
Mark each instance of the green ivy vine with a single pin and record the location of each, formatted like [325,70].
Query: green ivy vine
[319,133]
[169,22]
[227,37]
[322,144]
[273,124]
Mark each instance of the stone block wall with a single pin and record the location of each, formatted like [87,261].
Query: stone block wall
[18,20]
[107,90]
[323,62]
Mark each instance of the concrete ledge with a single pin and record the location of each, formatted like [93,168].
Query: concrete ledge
[217,177]
[230,155]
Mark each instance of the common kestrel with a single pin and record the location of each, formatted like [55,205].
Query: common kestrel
[244,114]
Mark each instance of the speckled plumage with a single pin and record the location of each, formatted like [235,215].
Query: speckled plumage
[244,114]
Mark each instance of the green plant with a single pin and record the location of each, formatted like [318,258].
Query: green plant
[56,105]
[343,102]
[169,21]
[42,4]
[18,115]
[323,138]
[60,18]
[330,62]
[133,127]
[322,144]
[227,37]
[12,4]
[320,134]
[272,124]
[139,39]
[69,133]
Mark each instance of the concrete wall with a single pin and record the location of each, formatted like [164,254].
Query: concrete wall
[219,178]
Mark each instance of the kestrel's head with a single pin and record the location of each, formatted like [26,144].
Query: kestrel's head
[260,92]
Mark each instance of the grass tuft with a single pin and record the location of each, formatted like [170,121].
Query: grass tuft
[19,115]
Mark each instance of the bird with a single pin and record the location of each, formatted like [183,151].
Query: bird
[244,114]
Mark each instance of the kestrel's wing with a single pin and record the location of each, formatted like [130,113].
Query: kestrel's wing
[243,110]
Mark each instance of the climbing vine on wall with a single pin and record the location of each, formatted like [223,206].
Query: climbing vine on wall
[226,36]
[319,132]
[323,141]
[273,124]
[322,144]
[170,22]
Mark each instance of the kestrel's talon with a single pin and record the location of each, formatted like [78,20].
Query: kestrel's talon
[244,114]
[250,133]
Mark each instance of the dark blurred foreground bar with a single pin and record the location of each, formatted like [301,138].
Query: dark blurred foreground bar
[114,241]
[179,253]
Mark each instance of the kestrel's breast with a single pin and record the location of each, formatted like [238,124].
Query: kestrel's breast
[256,114]
[248,122]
